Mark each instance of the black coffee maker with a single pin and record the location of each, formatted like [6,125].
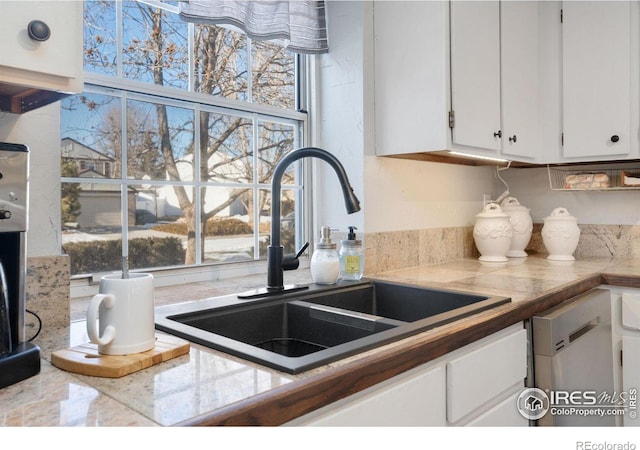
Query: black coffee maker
[18,359]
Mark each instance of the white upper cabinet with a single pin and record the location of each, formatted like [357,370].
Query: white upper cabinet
[520,80]
[529,81]
[41,52]
[495,77]
[475,74]
[597,91]
[411,76]
[459,75]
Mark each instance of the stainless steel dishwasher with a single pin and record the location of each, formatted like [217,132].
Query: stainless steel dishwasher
[573,361]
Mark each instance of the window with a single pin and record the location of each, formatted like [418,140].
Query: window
[171,147]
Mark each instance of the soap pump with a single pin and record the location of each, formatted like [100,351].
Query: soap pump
[351,257]
[325,264]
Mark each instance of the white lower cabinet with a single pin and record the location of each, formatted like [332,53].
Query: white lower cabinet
[486,373]
[501,415]
[631,377]
[414,398]
[476,385]
[625,324]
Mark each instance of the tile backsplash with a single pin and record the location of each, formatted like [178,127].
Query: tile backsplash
[47,290]
[401,249]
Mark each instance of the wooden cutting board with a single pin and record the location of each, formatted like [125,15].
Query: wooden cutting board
[85,359]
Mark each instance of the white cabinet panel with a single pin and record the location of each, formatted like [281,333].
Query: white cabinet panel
[631,375]
[596,73]
[631,311]
[475,73]
[60,54]
[415,398]
[520,79]
[626,348]
[41,55]
[411,77]
[504,414]
[475,378]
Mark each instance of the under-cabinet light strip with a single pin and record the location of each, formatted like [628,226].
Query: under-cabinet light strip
[487,158]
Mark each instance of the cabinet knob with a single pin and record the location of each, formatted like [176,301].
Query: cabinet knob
[498,134]
[615,138]
[513,138]
[38,30]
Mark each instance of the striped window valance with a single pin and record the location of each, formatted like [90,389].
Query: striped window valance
[302,23]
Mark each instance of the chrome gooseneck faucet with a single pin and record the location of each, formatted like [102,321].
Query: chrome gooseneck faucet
[276,260]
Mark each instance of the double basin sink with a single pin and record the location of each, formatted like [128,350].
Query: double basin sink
[298,331]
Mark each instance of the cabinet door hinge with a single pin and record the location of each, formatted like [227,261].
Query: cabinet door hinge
[452,119]
[561,16]
[562,139]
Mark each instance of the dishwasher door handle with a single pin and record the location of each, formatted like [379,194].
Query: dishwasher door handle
[558,328]
[584,329]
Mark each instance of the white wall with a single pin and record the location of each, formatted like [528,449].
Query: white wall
[531,188]
[40,131]
[395,194]
[417,194]
[343,124]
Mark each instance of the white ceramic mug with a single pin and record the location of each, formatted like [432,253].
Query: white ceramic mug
[125,312]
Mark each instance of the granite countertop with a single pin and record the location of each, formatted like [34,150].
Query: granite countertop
[210,387]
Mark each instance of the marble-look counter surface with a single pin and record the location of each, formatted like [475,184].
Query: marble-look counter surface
[205,382]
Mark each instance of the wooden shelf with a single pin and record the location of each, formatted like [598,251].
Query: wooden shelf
[19,99]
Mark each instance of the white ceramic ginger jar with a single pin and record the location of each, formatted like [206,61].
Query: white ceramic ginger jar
[492,233]
[522,225]
[560,235]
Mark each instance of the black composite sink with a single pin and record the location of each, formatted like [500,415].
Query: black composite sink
[403,302]
[291,329]
[299,331]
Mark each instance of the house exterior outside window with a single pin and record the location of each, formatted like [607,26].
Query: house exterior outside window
[172,144]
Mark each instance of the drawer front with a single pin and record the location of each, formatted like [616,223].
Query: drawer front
[60,54]
[415,398]
[631,311]
[504,414]
[484,373]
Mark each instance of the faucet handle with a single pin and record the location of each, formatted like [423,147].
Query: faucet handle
[301,251]
[291,262]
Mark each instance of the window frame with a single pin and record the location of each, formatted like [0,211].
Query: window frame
[124,89]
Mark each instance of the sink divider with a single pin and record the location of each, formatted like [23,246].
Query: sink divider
[341,316]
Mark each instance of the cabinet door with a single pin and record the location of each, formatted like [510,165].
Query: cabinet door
[481,375]
[628,327]
[411,91]
[631,377]
[519,22]
[475,73]
[596,78]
